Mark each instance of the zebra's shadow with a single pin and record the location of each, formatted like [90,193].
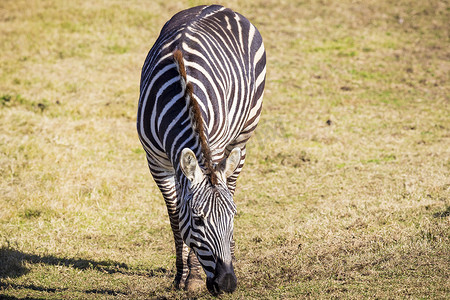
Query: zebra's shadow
[12,264]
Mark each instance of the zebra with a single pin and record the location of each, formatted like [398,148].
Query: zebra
[201,91]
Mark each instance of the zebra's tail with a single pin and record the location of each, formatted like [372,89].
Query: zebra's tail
[195,115]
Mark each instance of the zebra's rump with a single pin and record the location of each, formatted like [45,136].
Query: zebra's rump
[224,60]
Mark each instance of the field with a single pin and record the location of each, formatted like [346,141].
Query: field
[346,188]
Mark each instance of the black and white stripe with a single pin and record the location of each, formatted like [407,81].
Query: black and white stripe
[223,62]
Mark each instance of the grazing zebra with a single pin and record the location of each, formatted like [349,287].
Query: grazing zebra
[200,100]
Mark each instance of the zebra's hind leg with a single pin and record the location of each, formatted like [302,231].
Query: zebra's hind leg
[194,281]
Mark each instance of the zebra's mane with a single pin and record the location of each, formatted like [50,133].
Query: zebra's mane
[195,115]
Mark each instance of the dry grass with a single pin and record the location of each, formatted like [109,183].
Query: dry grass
[346,189]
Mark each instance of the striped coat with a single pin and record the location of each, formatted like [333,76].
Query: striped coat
[200,100]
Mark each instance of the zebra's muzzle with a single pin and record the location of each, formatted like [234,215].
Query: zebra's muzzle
[224,279]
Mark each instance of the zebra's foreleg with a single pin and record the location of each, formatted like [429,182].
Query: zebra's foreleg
[181,249]
[182,254]
[232,250]
[231,183]
[166,183]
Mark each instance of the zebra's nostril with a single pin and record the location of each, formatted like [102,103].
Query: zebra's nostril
[225,277]
[227,283]
[213,287]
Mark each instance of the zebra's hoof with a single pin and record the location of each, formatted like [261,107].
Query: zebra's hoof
[178,284]
[194,285]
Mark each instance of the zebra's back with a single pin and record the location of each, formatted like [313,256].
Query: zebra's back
[224,60]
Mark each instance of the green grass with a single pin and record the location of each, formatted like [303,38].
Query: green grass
[345,192]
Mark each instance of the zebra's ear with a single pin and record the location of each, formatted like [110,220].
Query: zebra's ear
[232,162]
[189,166]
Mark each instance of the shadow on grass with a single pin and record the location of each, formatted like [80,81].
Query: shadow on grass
[30,287]
[12,264]
[51,290]
[5,297]
[442,214]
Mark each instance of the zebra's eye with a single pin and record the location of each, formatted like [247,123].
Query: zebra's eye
[198,221]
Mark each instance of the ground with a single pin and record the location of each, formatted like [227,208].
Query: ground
[345,192]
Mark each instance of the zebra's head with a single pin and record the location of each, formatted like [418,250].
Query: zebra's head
[206,219]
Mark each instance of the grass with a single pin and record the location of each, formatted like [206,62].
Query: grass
[345,193]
